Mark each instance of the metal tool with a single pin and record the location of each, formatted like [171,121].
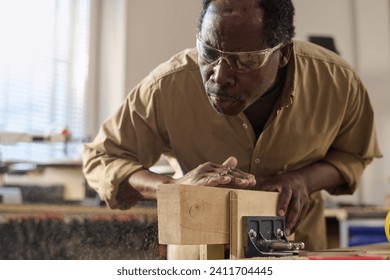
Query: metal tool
[265,238]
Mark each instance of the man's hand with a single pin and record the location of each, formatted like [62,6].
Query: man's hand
[293,202]
[213,174]
[295,187]
[143,183]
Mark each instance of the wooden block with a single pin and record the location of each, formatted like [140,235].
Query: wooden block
[193,215]
[196,215]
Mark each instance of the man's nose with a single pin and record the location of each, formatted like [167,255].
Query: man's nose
[223,73]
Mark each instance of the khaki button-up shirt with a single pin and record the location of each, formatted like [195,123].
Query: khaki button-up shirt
[324,113]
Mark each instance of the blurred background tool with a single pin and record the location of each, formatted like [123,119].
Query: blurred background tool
[41,172]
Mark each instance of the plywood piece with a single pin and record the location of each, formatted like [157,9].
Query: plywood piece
[247,203]
[196,215]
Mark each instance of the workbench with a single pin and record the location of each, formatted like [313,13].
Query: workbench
[76,232]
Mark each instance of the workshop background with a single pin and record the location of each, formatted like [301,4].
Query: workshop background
[66,65]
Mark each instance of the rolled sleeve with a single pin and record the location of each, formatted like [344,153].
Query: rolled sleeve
[356,144]
[105,173]
[127,142]
[350,166]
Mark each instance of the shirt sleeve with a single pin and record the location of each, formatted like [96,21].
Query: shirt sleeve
[355,145]
[127,142]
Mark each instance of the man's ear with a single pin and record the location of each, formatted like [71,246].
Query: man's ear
[285,53]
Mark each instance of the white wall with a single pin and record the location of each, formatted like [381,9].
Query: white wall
[110,54]
[156,30]
[134,37]
[328,18]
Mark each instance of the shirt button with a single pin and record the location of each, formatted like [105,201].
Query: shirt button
[257,161]
[245,126]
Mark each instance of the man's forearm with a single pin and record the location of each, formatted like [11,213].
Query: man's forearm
[146,182]
[321,176]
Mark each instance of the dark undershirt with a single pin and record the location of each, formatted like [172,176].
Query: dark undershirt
[259,112]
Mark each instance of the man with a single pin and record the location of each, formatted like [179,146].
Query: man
[249,108]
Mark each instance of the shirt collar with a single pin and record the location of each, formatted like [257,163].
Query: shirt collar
[290,84]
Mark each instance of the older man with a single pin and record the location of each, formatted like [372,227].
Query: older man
[249,107]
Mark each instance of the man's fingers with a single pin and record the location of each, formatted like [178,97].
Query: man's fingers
[296,213]
[292,217]
[285,196]
[230,162]
[239,177]
[212,174]
[215,180]
[301,216]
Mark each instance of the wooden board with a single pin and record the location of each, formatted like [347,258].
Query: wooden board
[192,215]
[196,215]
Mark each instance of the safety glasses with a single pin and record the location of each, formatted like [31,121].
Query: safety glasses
[239,61]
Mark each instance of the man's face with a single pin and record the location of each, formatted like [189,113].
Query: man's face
[235,27]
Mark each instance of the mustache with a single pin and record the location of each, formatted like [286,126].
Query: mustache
[221,92]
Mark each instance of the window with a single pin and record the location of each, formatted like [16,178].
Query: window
[43,71]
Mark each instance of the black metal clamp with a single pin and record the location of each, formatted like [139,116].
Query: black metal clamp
[265,237]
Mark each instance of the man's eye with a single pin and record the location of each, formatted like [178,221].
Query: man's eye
[210,55]
[249,60]
[247,63]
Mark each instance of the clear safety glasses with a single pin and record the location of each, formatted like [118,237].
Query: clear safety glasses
[238,61]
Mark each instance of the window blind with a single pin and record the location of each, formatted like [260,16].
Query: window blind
[43,71]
